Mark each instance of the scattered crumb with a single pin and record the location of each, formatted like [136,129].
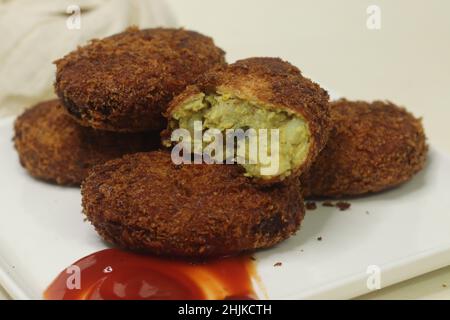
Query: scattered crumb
[252,258]
[278,264]
[301,250]
[444,285]
[311,206]
[367,212]
[319,239]
[343,205]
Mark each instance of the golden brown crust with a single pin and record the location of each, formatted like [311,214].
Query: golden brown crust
[144,202]
[268,81]
[124,82]
[55,148]
[372,147]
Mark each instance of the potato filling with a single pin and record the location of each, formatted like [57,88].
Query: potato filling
[226,111]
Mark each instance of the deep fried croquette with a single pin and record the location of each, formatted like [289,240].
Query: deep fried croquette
[55,148]
[259,93]
[372,147]
[147,203]
[124,82]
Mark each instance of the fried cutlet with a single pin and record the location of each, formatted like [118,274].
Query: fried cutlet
[124,82]
[145,202]
[53,147]
[372,147]
[258,93]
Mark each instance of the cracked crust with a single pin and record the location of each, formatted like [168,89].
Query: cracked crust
[372,147]
[124,82]
[53,147]
[270,82]
[145,202]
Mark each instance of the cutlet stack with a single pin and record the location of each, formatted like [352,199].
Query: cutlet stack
[119,94]
[111,96]
[146,202]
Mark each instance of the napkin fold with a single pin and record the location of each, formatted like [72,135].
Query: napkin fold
[35,33]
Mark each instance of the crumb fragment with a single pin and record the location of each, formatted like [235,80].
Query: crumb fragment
[444,285]
[367,212]
[319,239]
[342,205]
[328,204]
[278,264]
[311,205]
[252,258]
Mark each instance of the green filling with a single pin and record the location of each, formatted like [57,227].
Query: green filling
[229,112]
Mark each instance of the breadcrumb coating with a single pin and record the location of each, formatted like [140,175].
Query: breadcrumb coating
[145,202]
[53,147]
[124,82]
[372,147]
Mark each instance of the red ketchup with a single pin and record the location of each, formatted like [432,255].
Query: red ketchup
[120,275]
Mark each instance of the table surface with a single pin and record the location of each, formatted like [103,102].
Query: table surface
[405,61]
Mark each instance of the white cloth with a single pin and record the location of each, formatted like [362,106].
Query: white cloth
[35,33]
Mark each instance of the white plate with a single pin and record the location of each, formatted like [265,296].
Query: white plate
[404,232]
